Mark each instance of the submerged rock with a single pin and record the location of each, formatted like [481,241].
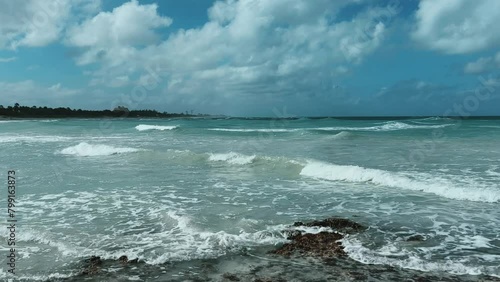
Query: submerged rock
[415,238]
[95,263]
[324,244]
[125,260]
[93,266]
[230,277]
[338,224]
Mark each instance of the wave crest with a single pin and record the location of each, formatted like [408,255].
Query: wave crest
[91,150]
[232,158]
[419,182]
[146,127]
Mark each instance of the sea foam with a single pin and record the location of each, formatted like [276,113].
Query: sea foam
[405,259]
[90,150]
[253,130]
[419,182]
[145,127]
[388,126]
[232,158]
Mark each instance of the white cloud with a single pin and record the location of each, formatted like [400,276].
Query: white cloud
[483,64]
[249,50]
[7,60]
[458,26]
[29,92]
[35,23]
[112,36]
[479,66]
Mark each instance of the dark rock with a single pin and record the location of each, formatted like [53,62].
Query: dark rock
[416,238]
[94,260]
[322,245]
[93,266]
[125,260]
[230,277]
[338,224]
[292,234]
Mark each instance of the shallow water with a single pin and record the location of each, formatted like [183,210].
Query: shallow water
[194,199]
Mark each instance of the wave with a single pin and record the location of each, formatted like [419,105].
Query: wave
[407,260]
[342,135]
[252,130]
[91,150]
[419,182]
[456,189]
[48,120]
[389,126]
[448,188]
[33,139]
[232,158]
[195,243]
[145,127]
[11,121]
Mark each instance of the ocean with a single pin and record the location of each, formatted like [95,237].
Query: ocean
[207,199]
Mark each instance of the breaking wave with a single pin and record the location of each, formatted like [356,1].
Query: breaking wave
[146,127]
[91,150]
[232,158]
[407,260]
[418,182]
[452,188]
[388,126]
[253,130]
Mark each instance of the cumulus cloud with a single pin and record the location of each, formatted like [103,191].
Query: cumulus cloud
[112,36]
[249,50]
[458,26]
[483,64]
[35,23]
[23,92]
[479,66]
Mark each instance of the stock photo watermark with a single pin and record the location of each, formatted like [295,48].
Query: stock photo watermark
[11,221]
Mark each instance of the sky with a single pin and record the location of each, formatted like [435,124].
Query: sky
[254,57]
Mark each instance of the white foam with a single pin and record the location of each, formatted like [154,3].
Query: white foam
[33,139]
[145,127]
[11,121]
[418,182]
[395,256]
[193,243]
[252,130]
[388,126]
[89,150]
[342,135]
[48,120]
[232,158]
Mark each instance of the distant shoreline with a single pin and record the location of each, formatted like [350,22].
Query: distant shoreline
[24,112]
[179,116]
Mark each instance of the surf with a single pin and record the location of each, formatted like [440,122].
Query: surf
[85,149]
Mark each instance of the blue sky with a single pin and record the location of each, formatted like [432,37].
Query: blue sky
[254,57]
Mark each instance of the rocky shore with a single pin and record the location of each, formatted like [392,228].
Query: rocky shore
[316,244]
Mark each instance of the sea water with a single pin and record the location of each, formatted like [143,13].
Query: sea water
[193,199]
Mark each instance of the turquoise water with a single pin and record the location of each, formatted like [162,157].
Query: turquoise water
[184,194]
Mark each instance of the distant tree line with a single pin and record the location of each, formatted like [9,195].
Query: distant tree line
[18,111]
